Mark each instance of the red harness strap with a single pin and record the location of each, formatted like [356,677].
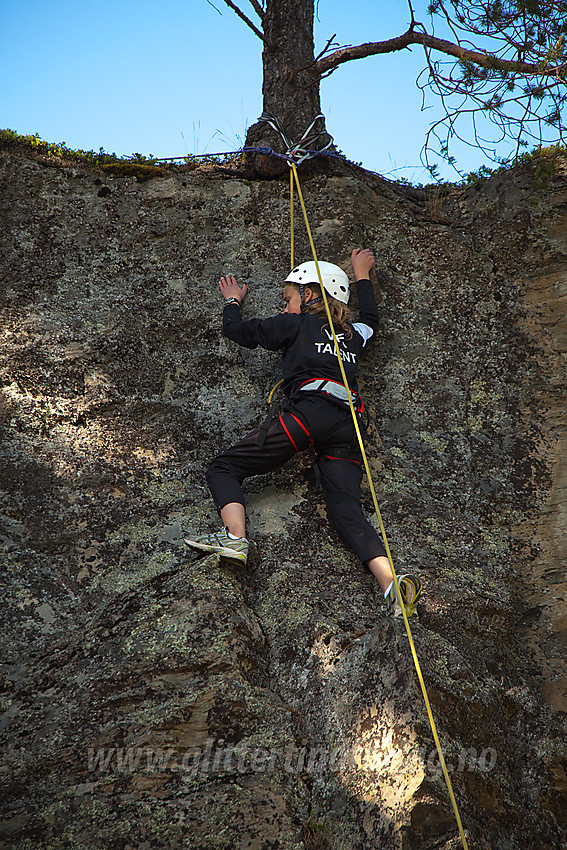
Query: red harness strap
[349,459]
[301,425]
[288,434]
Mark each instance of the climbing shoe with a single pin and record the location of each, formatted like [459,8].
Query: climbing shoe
[221,544]
[410,590]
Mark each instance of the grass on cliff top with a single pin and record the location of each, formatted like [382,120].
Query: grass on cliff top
[145,167]
[137,165]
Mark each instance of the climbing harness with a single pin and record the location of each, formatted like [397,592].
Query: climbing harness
[294,178]
[337,391]
[334,391]
[295,429]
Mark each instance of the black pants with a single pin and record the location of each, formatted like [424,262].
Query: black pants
[330,430]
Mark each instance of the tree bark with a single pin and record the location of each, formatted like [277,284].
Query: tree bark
[291,83]
[292,75]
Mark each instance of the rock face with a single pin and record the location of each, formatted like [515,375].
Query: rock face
[155,699]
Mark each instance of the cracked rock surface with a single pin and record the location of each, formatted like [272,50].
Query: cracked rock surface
[153,698]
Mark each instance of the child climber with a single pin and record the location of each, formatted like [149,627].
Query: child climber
[317,412]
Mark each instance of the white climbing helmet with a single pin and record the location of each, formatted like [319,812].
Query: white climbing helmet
[334,278]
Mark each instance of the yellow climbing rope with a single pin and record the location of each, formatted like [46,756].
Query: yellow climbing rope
[291,172]
[295,177]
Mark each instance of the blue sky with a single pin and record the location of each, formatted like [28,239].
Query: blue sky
[178,77]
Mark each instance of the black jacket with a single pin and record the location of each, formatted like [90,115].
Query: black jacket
[306,340]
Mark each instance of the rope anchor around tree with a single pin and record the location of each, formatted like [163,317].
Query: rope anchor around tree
[301,150]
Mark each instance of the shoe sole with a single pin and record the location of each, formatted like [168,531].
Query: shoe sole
[229,554]
[410,590]
[413,584]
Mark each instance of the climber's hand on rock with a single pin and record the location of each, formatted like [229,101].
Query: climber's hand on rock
[362,260]
[229,288]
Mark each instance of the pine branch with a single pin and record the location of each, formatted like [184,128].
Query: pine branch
[326,48]
[484,60]
[258,9]
[246,20]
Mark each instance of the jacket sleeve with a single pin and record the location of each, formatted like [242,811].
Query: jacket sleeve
[273,333]
[367,308]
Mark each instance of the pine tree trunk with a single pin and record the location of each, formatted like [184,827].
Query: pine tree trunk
[290,89]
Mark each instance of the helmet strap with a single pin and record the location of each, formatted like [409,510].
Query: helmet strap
[303,307]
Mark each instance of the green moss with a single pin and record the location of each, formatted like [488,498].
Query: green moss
[433,441]
[163,492]
[167,629]
[544,157]
[158,635]
[140,171]
[315,833]
[207,574]
[137,165]
[396,452]
[298,614]
[65,843]
[120,581]
[478,393]
[475,424]
[53,813]
[9,562]
[134,533]
[141,167]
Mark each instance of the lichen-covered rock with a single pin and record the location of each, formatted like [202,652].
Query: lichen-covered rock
[156,699]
